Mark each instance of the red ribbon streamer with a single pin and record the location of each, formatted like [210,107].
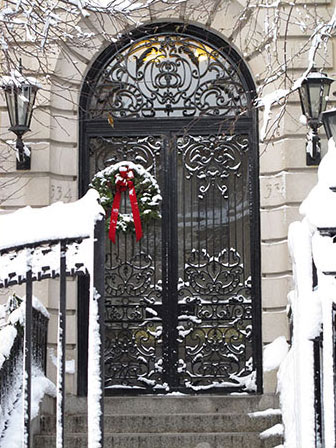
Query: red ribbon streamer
[124,182]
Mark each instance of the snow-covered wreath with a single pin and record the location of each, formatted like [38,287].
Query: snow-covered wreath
[144,194]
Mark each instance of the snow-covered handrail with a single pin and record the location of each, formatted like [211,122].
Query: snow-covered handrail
[12,317]
[312,242]
[56,241]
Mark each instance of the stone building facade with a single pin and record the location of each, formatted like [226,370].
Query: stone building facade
[284,179]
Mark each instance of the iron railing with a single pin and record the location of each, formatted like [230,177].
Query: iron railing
[318,389]
[49,268]
[10,384]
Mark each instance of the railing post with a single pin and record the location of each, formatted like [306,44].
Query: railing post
[27,353]
[61,350]
[99,285]
[317,346]
[333,322]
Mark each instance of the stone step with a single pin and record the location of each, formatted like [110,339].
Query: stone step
[171,423]
[177,404]
[148,440]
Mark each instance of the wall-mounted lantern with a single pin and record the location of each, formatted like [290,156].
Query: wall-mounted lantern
[314,92]
[20,93]
[329,123]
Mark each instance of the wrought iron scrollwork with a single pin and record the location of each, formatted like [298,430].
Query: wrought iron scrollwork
[108,151]
[215,322]
[169,75]
[212,159]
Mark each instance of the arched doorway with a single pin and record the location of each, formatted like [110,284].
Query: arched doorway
[183,304]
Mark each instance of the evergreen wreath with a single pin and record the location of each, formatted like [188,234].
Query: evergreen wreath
[146,188]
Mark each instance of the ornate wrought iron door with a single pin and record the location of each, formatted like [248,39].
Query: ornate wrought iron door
[182,305]
[178,303]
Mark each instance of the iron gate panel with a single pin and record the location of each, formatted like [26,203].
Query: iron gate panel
[214,294]
[133,279]
[178,303]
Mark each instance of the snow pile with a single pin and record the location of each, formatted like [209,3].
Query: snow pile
[13,435]
[274,353]
[311,311]
[57,221]
[13,313]
[12,319]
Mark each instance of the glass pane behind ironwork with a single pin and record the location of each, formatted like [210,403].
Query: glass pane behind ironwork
[133,279]
[215,310]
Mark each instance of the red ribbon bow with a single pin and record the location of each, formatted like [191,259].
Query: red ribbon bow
[123,182]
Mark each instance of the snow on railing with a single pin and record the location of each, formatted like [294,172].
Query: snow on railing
[12,317]
[57,241]
[306,376]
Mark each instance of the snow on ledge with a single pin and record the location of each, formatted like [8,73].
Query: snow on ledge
[266,413]
[16,79]
[274,353]
[320,205]
[276,430]
[59,220]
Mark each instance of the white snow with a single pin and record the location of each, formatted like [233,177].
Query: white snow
[16,79]
[267,102]
[311,311]
[9,319]
[74,220]
[59,220]
[276,430]
[274,353]
[265,413]
[13,435]
[95,386]
[69,364]
[7,337]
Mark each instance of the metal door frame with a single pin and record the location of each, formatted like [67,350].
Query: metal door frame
[201,126]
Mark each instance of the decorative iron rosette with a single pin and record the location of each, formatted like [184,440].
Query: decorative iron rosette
[146,188]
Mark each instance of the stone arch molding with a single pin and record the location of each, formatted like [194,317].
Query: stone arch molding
[72,65]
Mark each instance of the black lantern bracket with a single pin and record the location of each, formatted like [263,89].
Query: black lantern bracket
[313,148]
[23,155]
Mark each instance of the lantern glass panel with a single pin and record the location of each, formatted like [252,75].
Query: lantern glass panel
[10,99]
[315,99]
[23,102]
[329,121]
[32,95]
[325,94]
[332,126]
[305,100]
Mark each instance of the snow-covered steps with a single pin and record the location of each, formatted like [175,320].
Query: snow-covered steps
[171,422]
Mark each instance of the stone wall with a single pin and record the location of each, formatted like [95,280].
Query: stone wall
[284,177]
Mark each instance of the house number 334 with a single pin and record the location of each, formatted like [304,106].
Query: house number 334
[60,193]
